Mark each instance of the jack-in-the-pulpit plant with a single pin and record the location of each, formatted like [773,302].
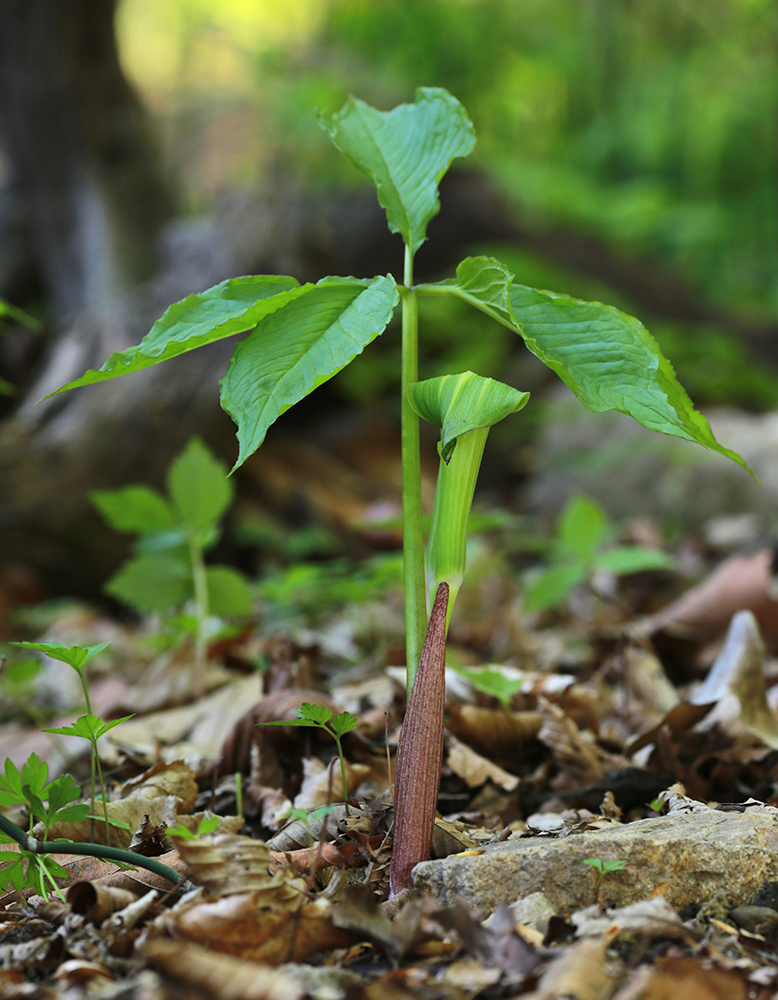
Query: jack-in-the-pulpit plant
[299,336]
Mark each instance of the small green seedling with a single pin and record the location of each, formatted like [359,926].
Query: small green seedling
[206,825]
[495,684]
[309,818]
[168,568]
[657,804]
[603,869]
[335,725]
[89,726]
[580,548]
[50,803]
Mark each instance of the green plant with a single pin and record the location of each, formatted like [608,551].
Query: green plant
[299,336]
[580,549]
[494,683]
[206,825]
[50,803]
[89,726]
[334,725]
[168,567]
[603,869]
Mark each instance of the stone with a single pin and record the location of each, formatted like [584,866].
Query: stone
[687,858]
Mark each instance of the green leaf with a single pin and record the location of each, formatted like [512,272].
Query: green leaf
[611,362]
[152,582]
[633,559]
[74,656]
[34,774]
[318,714]
[607,358]
[404,153]
[343,723]
[581,529]
[552,585]
[88,727]
[228,592]
[297,349]
[461,403]
[494,683]
[234,306]
[198,486]
[134,508]
[483,282]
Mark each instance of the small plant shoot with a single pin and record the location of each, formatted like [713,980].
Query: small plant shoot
[299,336]
[580,548]
[334,725]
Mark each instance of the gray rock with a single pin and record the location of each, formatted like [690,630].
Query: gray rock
[633,471]
[686,858]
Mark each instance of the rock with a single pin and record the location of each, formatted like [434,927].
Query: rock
[632,471]
[687,858]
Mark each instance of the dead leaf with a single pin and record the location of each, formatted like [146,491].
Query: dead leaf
[227,864]
[476,770]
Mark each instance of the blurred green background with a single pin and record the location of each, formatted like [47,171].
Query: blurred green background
[646,125]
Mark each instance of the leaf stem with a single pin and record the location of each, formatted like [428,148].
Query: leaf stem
[413,539]
[200,582]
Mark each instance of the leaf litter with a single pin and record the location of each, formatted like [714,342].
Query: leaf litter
[563,726]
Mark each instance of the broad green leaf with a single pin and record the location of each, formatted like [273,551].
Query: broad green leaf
[134,508]
[582,528]
[494,683]
[234,306]
[404,153]
[152,582]
[298,348]
[343,723]
[607,358]
[633,559]
[553,585]
[198,486]
[35,773]
[461,403]
[228,592]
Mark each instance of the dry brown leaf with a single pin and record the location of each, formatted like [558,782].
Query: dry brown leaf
[739,583]
[581,971]
[493,731]
[476,770]
[570,748]
[221,975]
[244,925]
[226,864]
[95,902]
[678,976]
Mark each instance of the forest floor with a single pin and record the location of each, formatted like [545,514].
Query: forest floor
[606,812]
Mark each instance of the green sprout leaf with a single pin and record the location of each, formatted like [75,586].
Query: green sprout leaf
[404,153]
[228,592]
[134,508]
[153,582]
[198,486]
[295,350]
[88,727]
[494,683]
[74,656]
[206,825]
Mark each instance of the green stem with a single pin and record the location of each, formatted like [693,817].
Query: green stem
[200,581]
[27,843]
[102,792]
[343,774]
[413,538]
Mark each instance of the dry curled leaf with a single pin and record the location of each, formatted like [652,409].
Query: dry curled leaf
[227,864]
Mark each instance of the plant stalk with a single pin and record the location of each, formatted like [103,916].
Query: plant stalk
[413,538]
[200,582]
[420,754]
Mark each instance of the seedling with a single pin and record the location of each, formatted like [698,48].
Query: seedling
[50,803]
[169,568]
[206,825]
[299,336]
[603,869]
[495,684]
[89,726]
[580,549]
[335,725]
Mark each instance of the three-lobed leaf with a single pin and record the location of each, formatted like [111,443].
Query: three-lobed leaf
[404,153]
[87,727]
